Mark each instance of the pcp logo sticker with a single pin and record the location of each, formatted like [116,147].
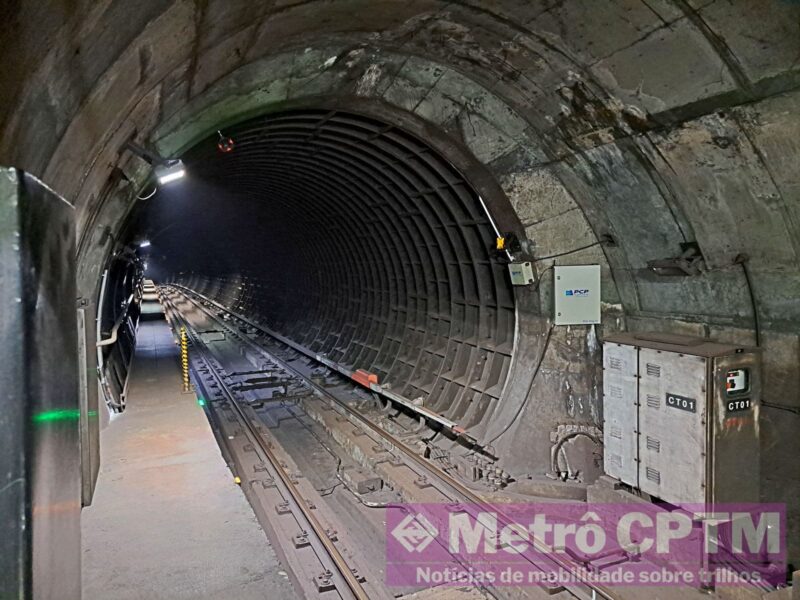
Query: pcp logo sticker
[578,293]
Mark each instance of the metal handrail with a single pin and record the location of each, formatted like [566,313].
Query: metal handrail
[115,330]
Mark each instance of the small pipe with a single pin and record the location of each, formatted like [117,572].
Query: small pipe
[115,330]
[743,259]
[494,226]
[557,448]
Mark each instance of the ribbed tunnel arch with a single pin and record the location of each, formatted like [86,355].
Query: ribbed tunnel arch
[657,124]
[357,240]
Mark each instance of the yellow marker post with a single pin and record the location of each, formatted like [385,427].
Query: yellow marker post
[184,343]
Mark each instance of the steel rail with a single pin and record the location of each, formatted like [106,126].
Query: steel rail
[491,593]
[429,415]
[592,591]
[297,501]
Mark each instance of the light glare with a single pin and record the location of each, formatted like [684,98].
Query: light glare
[170,177]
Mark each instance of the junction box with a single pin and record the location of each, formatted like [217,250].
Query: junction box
[681,417]
[521,273]
[577,294]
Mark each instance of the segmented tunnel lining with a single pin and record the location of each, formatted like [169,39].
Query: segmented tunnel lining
[359,241]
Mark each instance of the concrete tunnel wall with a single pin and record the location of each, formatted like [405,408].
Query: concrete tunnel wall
[656,122]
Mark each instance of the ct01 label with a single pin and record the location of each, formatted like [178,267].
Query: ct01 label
[738,405]
[682,402]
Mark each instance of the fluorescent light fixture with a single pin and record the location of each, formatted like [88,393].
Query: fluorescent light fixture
[169,177]
[166,170]
[172,171]
[144,243]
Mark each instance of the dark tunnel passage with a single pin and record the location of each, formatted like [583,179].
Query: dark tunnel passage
[353,238]
[351,168]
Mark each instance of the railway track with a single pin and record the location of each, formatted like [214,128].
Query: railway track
[336,573]
[449,489]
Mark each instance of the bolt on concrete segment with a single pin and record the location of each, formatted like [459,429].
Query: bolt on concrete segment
[167,520]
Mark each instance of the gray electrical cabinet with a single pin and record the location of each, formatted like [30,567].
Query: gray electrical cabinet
[681,417]
[576,291]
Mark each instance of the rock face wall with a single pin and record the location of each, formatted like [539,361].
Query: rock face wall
[658,122]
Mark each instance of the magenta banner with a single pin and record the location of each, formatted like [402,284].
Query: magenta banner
[637,544]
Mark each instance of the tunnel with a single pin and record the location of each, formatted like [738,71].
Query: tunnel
[378,253]
[397,203]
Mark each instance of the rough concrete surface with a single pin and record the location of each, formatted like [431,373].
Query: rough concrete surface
[167,520]
[657,122]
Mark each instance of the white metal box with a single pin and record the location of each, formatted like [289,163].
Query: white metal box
[681,417]
[521,273]
[577,294]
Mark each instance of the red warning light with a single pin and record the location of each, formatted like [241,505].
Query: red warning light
[225,144]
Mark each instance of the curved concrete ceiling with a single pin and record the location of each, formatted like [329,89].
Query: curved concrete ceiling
[594,119]
[657,122]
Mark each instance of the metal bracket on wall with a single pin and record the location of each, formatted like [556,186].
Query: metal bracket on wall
[689,263]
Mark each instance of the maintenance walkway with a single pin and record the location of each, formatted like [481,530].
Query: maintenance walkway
[167,520]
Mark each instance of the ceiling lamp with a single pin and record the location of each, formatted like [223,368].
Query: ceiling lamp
[166,170]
